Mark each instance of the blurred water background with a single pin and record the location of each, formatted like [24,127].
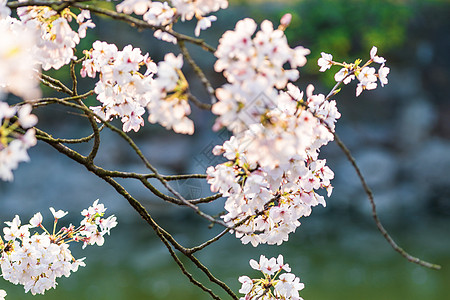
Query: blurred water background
[399,134]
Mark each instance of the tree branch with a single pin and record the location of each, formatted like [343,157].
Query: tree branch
[369,192]
[200,75]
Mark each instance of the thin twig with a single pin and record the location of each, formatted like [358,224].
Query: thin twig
[199,73]
[380,227]
[57,83]
[183,269]
[198,103]
[369,192]
[70,141]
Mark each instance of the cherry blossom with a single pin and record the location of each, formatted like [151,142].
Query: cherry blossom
[272,174]
[365,74]
[382,74]
[168,103]
[125,92]
[13,145]
[245,60]
[270,187]
[121,89]
[204,23]
[287,286]
[325,62]
[57,39]
[58,214]
[138,7]
[374,57]
[18,65]
[37,260]
[162,14]
[2,294]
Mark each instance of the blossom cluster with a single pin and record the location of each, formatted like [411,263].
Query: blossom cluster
[18,64]
[161,14]
[125,92]
[57,40]
[36,260]
[273,168]
[286,287]
[367,76]
[14,145]
[121,89]
[168,103]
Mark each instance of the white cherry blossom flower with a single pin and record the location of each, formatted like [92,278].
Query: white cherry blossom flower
[367,75]
[325,62]
[382,75]
[286,286]
[162,14]
[36,220]
[204,23]
[138,7]
[374,57]
[58,214]
[159,14]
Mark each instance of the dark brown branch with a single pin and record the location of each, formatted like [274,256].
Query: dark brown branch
[183,269]
[70,141]
[137,206]
[208,242]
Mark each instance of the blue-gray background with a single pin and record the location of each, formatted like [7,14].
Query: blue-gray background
[399,134]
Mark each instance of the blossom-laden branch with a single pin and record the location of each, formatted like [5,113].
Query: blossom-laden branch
[345,75]
[272,171]
[140,209]
[163,32]
[37,260]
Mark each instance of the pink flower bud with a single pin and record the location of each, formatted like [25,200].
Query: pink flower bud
[285,21]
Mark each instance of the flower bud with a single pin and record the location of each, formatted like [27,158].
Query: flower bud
[285,21]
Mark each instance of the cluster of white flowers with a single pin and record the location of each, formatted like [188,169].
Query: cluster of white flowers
[2,294]
[57,41]
[121,89]
[162,14]
[37,260]
[273,168]
[18,65]
[366,75]
[125,92]
[286,287]
[246,59]
[254,70]
[168,103]
[13,145]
